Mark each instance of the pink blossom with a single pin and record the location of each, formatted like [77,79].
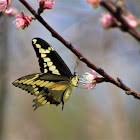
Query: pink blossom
[89,80]
[11,11]
[22,21]
[108,21]
[47,4]
[132,21]
[94,3]
[4,4]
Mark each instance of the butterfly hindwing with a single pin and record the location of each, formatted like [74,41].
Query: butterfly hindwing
[28,83]
[48,88]
[53,94]
[49,59]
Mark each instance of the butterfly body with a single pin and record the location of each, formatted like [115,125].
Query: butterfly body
[55,82]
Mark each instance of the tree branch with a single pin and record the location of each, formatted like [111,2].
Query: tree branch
[107,77]
[117,14]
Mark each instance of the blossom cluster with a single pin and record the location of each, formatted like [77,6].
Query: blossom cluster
[108,21]
[21,20]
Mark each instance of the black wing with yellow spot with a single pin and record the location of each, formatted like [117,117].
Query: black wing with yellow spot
[55,84]
[49,60]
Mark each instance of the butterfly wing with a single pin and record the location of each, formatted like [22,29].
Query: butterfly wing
[54,85]
[53,95]
[49,59]
[28,83]
[48,88]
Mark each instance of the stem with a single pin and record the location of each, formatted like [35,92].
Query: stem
[107,77]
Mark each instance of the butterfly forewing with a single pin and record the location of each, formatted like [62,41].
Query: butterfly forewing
[49,60]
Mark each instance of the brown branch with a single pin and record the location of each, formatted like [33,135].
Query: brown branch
[107,77]
[117,14]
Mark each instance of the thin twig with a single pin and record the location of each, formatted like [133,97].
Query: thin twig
[120,17]
[107,77]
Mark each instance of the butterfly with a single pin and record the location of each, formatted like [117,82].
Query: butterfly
[55,82]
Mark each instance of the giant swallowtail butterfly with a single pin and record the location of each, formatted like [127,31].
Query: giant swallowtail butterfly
[55,82]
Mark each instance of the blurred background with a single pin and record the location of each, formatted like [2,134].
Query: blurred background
[103,113]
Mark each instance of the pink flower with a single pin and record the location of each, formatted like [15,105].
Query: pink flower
[47,4]
[132,21]
[108,21]
[11,11]
[22,21]
[94,3]
[89,80]
[4,4]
